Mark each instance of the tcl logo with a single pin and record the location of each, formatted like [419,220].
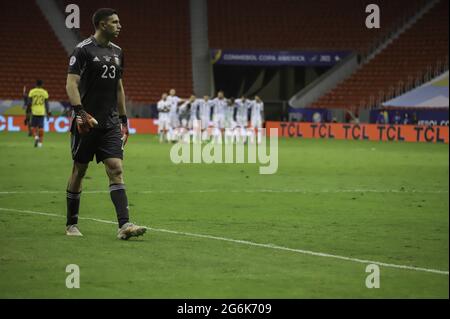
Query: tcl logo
[60,124]
[15,124]
[7,124]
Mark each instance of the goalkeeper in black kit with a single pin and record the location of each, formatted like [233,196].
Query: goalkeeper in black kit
[100,125]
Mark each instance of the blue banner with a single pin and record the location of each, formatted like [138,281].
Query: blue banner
[420,117]
[300,58]
[311,115]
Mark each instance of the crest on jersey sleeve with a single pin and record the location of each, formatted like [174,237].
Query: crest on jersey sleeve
[72,61]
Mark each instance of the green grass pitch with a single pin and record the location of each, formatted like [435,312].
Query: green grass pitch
[384,202]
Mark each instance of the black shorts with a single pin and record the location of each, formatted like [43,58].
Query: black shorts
[37,121]
[103,143]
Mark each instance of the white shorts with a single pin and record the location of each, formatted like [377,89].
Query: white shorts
[163,121]
[191,123]
[174,120]
[196,124]
[219,121]
[186,123]
[256,122]
[204,123]
[230,124]
[242,121]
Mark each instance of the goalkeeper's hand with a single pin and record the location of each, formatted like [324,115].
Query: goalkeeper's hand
[124,129]
[84,120]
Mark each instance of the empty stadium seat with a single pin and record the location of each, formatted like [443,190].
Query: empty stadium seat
[301,24]
[155,38]
[411,55]
[29,50]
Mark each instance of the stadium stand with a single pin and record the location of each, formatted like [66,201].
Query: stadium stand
[297,24]
[417,54]
[29,55]
[156,41]
[155,38]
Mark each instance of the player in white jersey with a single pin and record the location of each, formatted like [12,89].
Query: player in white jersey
[194,121]
[230,122]
[204,116]
[242,106]
[220,105]
[163,107]
[185,116]
[174,101]
[256,118]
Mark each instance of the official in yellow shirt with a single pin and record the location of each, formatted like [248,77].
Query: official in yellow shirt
[38,104]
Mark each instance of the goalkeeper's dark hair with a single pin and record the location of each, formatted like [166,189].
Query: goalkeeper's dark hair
[101,14]
[39,82]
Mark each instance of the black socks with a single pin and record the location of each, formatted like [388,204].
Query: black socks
[73,205]
[119,198]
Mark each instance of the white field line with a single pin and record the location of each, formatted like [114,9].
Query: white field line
[252,191]
[249,243]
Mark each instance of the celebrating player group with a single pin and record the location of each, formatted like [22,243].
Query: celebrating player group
[204,119]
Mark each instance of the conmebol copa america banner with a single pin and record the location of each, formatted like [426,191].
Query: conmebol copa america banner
[273,58]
